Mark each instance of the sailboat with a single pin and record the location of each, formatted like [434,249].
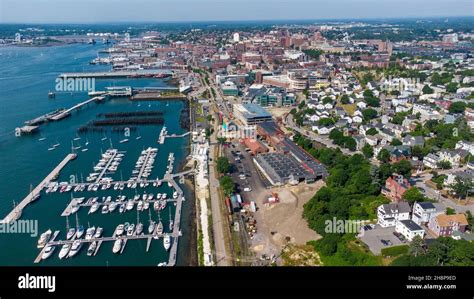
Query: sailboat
[42,138]
[87,142]
[151,226]
[71,231]
[139,227]
[77,138]
[80,229]
[52,148]
[57,144]
[104,138]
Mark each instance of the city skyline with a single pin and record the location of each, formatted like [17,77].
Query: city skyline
[72,11]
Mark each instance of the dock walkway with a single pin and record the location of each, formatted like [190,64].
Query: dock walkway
[16,212]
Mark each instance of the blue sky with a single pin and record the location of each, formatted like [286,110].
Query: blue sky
[92,11]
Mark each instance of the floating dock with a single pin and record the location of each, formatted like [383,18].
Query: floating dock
[16,212]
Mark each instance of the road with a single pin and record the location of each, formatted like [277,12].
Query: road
[218,223]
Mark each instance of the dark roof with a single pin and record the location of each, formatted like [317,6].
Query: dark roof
[411,225]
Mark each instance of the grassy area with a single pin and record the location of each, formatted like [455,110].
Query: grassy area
[349,108]
[355,253]
[200,247]
[395,250]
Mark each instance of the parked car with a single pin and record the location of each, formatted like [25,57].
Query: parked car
[247,189]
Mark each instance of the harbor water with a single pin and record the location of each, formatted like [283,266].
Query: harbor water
[26,76]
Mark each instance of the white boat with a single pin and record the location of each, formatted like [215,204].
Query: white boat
[175,194]
[156,205]
[123,140]
[151,227]
[85,149]
[130,229]
[98,232]
[117,246]
[94,208]
[130,205]
[64,250]
[70,233]
[146,205]
[119,230]
[140,206]
[167,242]
[80,200]
[122,208]
[164,196]
[79,231]
[91,249]
[139,228]
[112,207]
[159,228]
[44,238]
[158,196]
[105,209]
[163,264]
[48,251]
[74,209]
[90,233]
[75,248]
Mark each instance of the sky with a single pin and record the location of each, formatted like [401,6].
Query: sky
[109,11]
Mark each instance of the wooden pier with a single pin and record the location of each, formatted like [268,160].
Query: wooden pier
[16,212]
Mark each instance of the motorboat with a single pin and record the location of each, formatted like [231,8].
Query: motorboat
[74,209]
[98,232]
[164,196]
[130,205]
[139,228]
[140,206]
[105,209]
[175,194]
[48,251]
[94,208]
[64,251]
[146,205]
[151,227]
[70,233]
[117,246]
[119,230]
[91,249]
[167,242]
[130,229]
[159,228]
[79,231]
[90,233]
[112,207]
[122,208]
[156,205]
[75,248]
[44,238]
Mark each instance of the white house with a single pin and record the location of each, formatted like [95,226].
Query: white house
[389,214]
[452,156]
[431,161]
[424,211]
[357,119]
[465,145]
[361,105]
[409,229]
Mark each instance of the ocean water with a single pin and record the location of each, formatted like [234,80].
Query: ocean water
[26,77]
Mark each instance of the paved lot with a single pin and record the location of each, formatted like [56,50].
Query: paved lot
[374,236]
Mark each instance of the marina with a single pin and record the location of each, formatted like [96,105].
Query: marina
[118,74]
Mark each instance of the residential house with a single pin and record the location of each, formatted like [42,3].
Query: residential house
[465,145]
[395,187]
[431,161]
[423,212]
[444,225]
[389,214]
[413,141]
[453,156]
[409,229]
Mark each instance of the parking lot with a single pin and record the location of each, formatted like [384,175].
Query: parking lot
[378,238]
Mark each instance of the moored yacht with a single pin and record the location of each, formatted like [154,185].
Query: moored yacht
[167,242]
[44,238]
[64,250]
[75,248]
[91,249]
[48,251]
[117,246]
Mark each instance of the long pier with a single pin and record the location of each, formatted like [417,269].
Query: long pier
[117,74]
[16,212]
[142,169]
[68,111]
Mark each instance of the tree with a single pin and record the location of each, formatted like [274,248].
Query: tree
[427,90]
[413,194]
[350,143]
[369,114]
[372,101]
[221,140]
[328,245]
[444,164]
[452,87]
[383,155]
[223,165]
[403,167]
[371,131]
[227,185]
[368,151]
[457,107]
[395,142]
[461,187]
[301,105]
[417,246]
[327,100]
[450,211]
[345,99]
[326,121]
